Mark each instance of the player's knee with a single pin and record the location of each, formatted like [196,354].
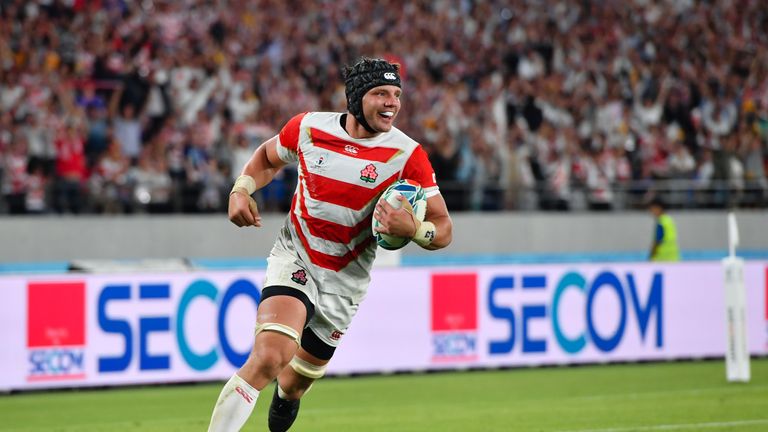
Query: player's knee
[270,361]
[273,349]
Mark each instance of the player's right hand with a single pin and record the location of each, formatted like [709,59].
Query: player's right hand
[243,210]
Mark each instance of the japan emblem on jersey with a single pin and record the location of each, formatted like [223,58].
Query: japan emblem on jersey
[369,174]
[299,276]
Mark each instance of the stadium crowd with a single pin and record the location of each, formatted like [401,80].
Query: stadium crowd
[114,106]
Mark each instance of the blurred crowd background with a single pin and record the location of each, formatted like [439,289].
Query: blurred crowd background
[116,106]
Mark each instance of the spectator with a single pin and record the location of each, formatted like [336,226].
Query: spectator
[621,78]
[752,153]
[127,128]
[40,145]
[719,116]
[15,181]
[97,136]
[37,186]
[680,161]
[109,180]
[152,185]
[70,170]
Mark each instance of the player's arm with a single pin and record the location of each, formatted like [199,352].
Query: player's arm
[435,232]
[257,173]
[438,221]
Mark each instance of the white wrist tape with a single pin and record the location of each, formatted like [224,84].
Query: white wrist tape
[425,234]
[246,183]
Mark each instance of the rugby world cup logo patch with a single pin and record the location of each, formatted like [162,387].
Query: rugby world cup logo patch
[299,276]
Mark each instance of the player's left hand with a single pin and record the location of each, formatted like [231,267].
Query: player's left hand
[398,222]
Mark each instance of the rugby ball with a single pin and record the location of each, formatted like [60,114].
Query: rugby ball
[415,195]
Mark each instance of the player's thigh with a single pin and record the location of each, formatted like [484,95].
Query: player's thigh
[282,309]
[333,316]
[274,313]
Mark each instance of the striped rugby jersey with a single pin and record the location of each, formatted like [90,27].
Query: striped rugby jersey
[340,179]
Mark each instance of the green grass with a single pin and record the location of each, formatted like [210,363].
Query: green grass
[686,396]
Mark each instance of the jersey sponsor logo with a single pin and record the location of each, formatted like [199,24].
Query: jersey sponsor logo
[390,76]
[245,395]
[454,317]
[369,174]
[336,335]
[56,330]
[349,148]
[299,276]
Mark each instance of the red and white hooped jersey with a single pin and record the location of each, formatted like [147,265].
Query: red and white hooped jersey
[340,179]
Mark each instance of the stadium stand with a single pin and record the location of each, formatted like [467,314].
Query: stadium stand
[130,107]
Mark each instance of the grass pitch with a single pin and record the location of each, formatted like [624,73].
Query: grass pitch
[680,396]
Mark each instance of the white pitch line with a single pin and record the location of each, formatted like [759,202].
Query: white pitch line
[666,427]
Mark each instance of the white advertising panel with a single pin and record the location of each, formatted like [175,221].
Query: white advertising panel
[96,330]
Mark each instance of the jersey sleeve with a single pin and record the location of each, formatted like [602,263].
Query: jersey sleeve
[288,139]
[419,168]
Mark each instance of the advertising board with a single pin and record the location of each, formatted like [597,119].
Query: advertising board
[118,329]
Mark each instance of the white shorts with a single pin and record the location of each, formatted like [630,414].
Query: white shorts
[333,313]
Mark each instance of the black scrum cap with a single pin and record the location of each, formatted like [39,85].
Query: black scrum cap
[364,75]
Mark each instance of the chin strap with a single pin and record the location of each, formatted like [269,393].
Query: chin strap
[361,119]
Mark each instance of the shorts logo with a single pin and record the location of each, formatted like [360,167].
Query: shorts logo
[349,148]
[454,317]
[390,76]
[336,335]
[299,276]
[369,174]
[56,331]
[245,395]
